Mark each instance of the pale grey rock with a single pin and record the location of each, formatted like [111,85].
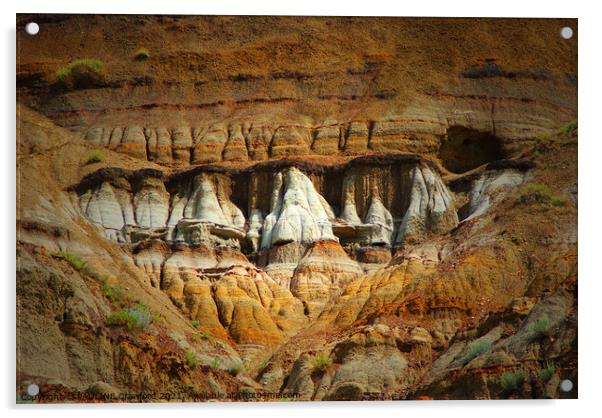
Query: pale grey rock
[102,207]
[205,216]
[371,368]
[190,260]
[349,212]
[491,188]
[300,382]
[178,203]
[298,213]
[152,204]
[382,223]
[431,207]
[204,205]
[255,226]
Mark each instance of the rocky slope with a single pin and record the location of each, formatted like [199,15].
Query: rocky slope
[274,215]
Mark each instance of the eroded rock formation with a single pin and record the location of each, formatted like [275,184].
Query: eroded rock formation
[292,217]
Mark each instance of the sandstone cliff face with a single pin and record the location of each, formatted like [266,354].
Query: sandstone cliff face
[297,238]
[386,85]
[314,230]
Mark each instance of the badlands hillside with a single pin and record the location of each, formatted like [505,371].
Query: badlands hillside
[295,208]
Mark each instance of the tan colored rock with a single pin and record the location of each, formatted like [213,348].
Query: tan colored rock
[401,136]
[235,148]
[326,140]
[133,142]
[159,145]
[209,146]
[290,140]
[150,257]
[181,139]
[322,273]
[356,138]
[258,140]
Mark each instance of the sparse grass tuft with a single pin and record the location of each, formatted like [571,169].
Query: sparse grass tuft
[321,361]
[113,293]
[141,54]
[196,323]
[538,193]
[95,157]
[475,349]
[547,373]
[191,359]
[216,364]
[76,261]
[511,381]
[81,73]
[569,128]
[540,328]
[235,368]
[135,317]
[206,334]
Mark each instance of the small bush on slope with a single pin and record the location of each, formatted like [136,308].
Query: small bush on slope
[540,328]
[321,361]
[538,193]
[81,73]
[476,349]
[511,381]
[191,359]
[95,157]
[142,54]
[547,373]
[135,317]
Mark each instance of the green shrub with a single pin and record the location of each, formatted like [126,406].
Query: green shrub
[81,73]
[135,317]
[539,328]
[538,193]
[74,260]
[511,381]
[321,361]
[547,373]
[142,54]
[113,293]
[206,334]
[569,128]
[191,359]
[475,349]
[196,323]
[235,368]
[95,157]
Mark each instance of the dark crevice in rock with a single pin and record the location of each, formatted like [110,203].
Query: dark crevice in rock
[463,149]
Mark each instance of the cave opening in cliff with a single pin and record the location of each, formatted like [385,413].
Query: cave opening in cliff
[464,149]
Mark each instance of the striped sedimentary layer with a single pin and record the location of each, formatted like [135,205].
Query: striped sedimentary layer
[248,142]
[311,229]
